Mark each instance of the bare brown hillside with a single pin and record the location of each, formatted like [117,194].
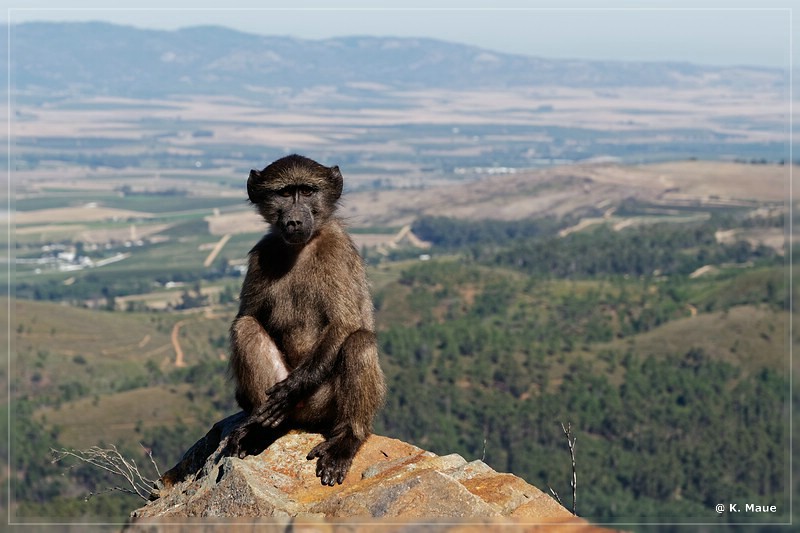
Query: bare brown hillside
[567,189]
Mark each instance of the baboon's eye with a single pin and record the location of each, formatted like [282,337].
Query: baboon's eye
[306,190]
[285,192]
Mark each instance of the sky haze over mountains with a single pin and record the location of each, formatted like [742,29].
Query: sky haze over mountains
[106,59]
[716,33]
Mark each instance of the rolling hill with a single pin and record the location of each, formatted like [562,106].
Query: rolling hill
[103,59]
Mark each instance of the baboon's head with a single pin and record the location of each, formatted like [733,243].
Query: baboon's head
[296,195]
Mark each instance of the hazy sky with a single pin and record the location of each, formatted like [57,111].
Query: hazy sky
[713,32]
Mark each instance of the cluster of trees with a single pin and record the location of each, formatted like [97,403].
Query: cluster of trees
[660,437]
[533,247]
[452,233]
[652,250]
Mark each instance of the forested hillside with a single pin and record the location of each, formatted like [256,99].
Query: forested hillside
[675,383]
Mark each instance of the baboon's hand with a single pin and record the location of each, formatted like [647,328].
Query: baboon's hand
[333,463]
[235,445]
[281,397]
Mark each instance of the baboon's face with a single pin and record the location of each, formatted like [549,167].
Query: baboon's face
[295,195]
[292,209]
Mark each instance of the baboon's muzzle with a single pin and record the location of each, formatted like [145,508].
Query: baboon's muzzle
[296,226]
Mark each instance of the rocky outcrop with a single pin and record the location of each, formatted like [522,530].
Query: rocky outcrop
[390,481]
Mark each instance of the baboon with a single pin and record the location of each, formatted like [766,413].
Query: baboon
[303,347]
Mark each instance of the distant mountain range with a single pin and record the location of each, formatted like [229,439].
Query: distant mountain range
[93,58]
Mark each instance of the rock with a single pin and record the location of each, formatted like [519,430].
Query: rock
[390,481]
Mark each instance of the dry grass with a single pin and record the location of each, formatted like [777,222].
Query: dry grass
[67,331]
[767,183]
[51,228]
[747,336]
[75,214]
[564,189]
[318,125]
[246,221]
[118,415]
[132,232]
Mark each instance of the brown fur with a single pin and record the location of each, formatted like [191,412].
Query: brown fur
[303,346]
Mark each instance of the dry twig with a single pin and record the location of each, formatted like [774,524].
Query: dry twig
[110,460]
[555,495]
[149,453]
[574,481]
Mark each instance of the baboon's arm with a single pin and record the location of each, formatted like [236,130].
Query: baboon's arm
[303,379]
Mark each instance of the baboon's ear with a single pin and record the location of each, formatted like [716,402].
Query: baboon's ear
[252,186]
[336,181]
